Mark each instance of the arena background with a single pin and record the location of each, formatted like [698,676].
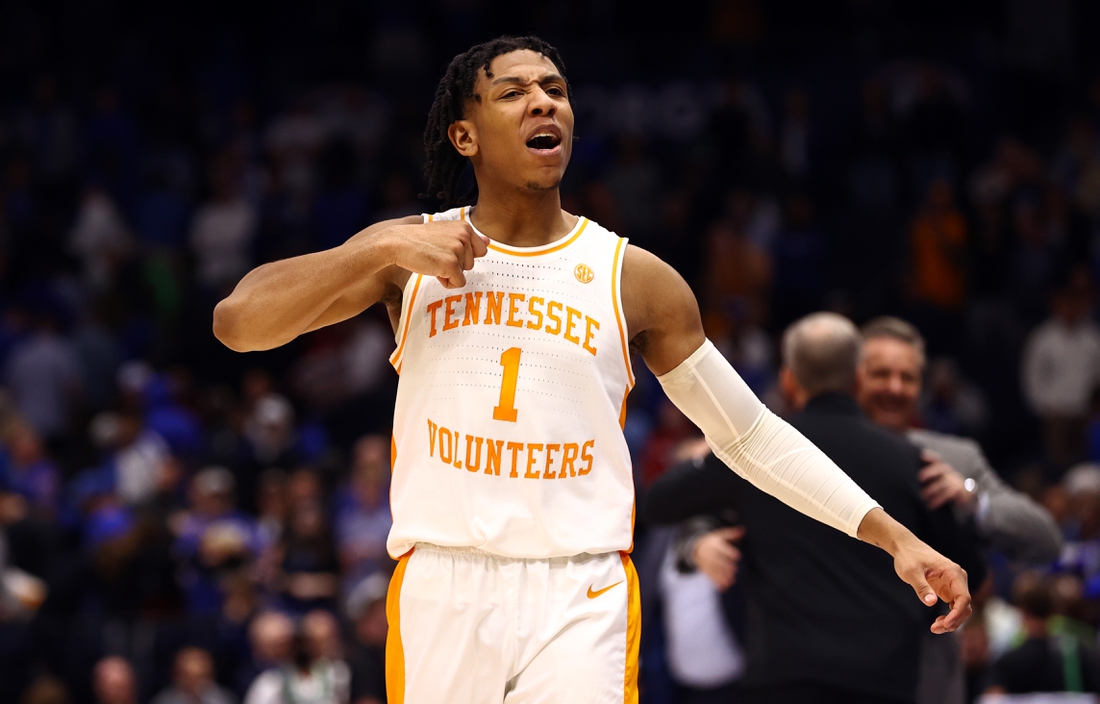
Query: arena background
[934,160]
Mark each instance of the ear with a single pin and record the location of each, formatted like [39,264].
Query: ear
[788,385]
[463,135]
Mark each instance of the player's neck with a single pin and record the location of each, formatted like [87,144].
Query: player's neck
[522,219]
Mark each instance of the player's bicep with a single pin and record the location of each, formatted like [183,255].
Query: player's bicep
[661,311]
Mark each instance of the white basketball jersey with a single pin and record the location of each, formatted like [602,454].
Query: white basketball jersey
[508,425]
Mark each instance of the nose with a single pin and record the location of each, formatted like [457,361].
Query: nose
[542,103]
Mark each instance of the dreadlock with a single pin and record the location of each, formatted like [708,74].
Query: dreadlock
[444,165]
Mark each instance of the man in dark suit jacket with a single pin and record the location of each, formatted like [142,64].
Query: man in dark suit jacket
[827,620]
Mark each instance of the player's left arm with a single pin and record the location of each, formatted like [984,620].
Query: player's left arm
[665,327]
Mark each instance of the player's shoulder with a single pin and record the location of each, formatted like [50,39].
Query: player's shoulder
[459,213]
[647,276]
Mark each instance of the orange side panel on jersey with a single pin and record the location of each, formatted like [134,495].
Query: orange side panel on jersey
[396,358]
[393,452]
[616,268]
[395,651]
[633,631]
[633,513]
[431,218]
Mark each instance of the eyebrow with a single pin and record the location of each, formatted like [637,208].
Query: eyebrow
[548,78]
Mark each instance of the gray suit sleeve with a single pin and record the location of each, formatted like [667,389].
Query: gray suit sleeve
[1007,518]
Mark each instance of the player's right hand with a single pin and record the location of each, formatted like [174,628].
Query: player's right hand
[445,249]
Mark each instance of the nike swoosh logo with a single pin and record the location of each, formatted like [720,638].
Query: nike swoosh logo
[593,595]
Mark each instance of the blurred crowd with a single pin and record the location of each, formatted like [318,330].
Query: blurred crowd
[181,523]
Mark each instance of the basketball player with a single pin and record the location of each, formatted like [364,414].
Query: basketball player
[512,494]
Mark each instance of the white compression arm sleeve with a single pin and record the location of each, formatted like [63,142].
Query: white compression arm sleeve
[760,446]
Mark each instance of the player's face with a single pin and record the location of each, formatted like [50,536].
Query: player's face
[523,123]
[889,382]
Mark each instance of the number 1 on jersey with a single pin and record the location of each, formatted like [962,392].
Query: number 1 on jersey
[506,409]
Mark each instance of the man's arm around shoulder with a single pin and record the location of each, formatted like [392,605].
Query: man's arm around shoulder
[1010,520]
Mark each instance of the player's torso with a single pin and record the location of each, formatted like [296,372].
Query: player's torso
[507,428]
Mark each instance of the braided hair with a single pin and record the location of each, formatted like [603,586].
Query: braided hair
[444,165]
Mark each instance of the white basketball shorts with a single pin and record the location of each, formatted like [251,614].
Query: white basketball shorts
[468,627]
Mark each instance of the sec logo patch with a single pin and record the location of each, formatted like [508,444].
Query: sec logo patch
[584,273]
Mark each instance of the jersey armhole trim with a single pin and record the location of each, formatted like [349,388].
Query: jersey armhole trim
[617,302]
[407,303]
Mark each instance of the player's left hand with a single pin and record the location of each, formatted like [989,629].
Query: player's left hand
[933,576]
[941,484]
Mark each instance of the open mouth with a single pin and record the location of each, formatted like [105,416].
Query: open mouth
[544,142]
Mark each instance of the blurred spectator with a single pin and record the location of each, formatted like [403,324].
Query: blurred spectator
[1061,369]
[271,635]
[214,539]
[366,607]
[27,470]
[737,277]
[137,458]
[1080,488]
[363,522]
[167,415]
[99,350]
[938,240]
[1044,663]
[45,690]
[269,430]
[309,571]
[113,681]
[271,506]
[796,135]
[223,228]
[193,681]
[799,252]
[43,375]
[311,676]
[100,238]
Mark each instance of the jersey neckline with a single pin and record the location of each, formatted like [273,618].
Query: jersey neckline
[560,243]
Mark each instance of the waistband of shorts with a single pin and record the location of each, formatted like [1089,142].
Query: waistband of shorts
[469,550]
[453,549]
